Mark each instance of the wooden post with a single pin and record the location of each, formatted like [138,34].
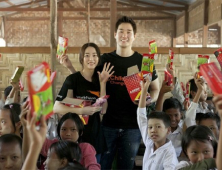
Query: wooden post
[205,36]
[53,37]
[3,31]
[88,20]
[173,43]
[186,28]
[60,20]
[113,15]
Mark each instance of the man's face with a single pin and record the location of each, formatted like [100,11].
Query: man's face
[124,35]
[10,156]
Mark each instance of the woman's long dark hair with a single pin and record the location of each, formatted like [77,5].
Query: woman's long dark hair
[95,78]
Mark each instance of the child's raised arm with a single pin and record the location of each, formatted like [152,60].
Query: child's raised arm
[218,103]
[64,60]
[191,112]
[36,140]
[164,89]
[145,85]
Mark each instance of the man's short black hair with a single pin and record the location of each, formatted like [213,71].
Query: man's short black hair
[162,116]
[193,87]
[125,19]
[209,115]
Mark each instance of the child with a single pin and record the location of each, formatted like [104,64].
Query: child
[10,122]
[198,143]
[173,109]
[70,128]
[211,120]
[160,153]
[61,153]
[218,103]
[10,152]
[202,106]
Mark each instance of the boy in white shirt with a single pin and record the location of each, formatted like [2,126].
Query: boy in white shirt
[160,153]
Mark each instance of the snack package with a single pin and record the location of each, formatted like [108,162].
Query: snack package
[132,83]
[21,85]
[187,91]
[213,77]
[168,78]
[40,91]
[183,88]
[17,74]
[62,46]
[100,101]
[152,47]
[202,59]
[170,58]
[147,65]
[218,55]
[78,103]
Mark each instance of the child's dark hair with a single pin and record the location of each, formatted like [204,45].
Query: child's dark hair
[14,110]
[74,165]
[172,103]
[75,118]
[209,115]
[193,87]
[198,133]
[67,149]
[11,138]
[160,115]
[125,19]
[7,91]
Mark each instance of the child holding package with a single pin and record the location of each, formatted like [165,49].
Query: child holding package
[160,153]
[218,103]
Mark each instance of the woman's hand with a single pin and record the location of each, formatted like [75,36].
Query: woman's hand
[89,110]
[106,73]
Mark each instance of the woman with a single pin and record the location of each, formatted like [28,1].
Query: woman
[87,84]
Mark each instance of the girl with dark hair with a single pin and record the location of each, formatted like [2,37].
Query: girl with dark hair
[198,143]
[87,84]
[61,154]
[9,120]
[70,128]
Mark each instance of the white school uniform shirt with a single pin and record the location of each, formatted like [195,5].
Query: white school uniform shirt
[176,138]
[162,158]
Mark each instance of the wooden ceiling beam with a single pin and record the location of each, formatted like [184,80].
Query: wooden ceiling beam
[174,2]
[84,18]
[95,9]
[93,4]
[206,12]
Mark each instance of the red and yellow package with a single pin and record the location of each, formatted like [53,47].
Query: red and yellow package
[133,86]
[213,77]
[202,59]
[218,55]
[62,46]
[187,96]
[170,58]
[152,47]
[17,74]
[168,78]
[147,65]
[40,91]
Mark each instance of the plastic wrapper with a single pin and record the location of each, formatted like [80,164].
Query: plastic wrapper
[218,55]
[62,46]
[168,78]
[202,59]
[147,65]
[152,47]
[17,74]
[187,95]
[212,76]
[170,58]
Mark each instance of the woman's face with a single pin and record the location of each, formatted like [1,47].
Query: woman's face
[53,162]
[6,126]
[91,59]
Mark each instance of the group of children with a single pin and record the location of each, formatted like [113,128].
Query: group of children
[178,133]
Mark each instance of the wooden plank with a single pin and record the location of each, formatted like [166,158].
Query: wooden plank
[75,50]
[205,36]
[95,9]
[173,43]
[196,4]
[113,17]
[53,38]
[84,18]
[206,12]
[88,20]
[174,2]
[95,2]
[186,24]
